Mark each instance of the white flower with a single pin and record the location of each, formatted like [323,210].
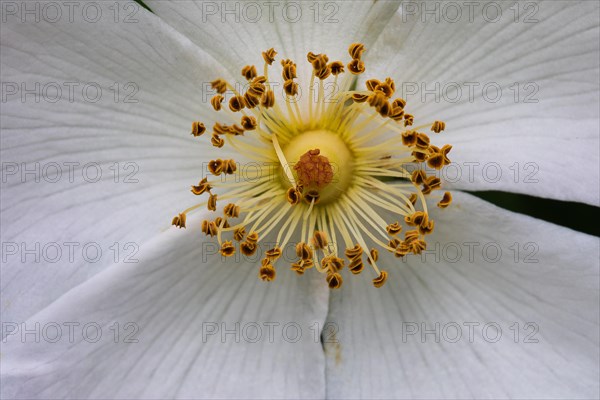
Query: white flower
[182,306]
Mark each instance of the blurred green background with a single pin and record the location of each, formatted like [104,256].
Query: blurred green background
[577,216]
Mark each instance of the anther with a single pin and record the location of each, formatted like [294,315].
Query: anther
[396,113]
[249,72]
[418,176]
[438,126]
[236,103]
[422,141]
[432,183]
[248,249]
[337,67]
[384,109]
[198,128]
[267,273]
[209,228]
[216,141]
[332,263]
[268,99]
[389,87]
[334,280]
[377,100]
[230,167]
[239,233]
[269,56]
[256,89]
[354,252]
[312,196]
[293,196]
[399,103]
[436,161]
[303,251]
[298,267]
[231,210]
[409,138]
[220,129]
[374,255]
[372,84]
[221,223]
[319,61]
[212,203]
[418,246]
[356,67]
[202,187]
[445,150]
[320,240]
[394,243]
[408,119]
[215,167]
[445,201]
[416,219]
[290,87]
[236,130]
[393,229]
[411,236]
[356,50]
[323,73]
[251,100]
[216,101]
[360,98]
[386,88]
[227,249]
[380,280]
[252,237]
[311,57]
[425,228]
[219,85]
[273,254]
[248,123]
[289,72]
[179,220]
[402,249]
[356,266]
[420,155]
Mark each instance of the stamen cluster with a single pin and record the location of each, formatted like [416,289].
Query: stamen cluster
[308,199]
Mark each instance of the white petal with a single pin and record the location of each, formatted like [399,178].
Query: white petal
[143,149]
[236,33]
[179,300]
[553,285]
[543,140]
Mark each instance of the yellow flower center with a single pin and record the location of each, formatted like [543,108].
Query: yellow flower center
[322,163]
[350,171]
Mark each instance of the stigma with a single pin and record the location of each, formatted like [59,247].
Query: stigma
[339,180]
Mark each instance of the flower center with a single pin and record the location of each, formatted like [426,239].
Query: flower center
[321,163]
[353,171]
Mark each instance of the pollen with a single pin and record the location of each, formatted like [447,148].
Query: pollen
[341,171]
[314,170]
